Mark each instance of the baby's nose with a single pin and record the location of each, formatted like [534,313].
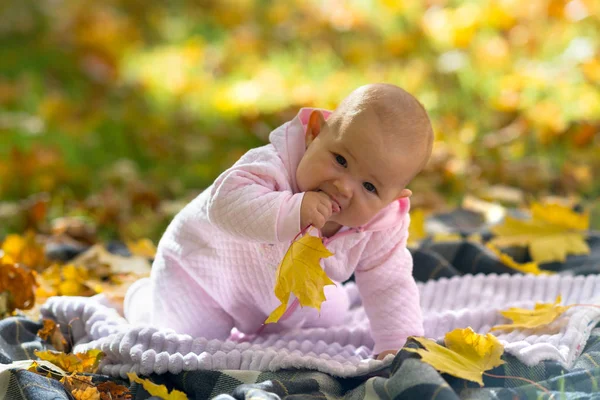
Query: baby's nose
[343,187]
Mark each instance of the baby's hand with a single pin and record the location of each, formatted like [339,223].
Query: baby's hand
[315,210]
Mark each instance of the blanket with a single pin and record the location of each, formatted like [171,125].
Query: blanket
[408,378]
[573,374]
[345,351]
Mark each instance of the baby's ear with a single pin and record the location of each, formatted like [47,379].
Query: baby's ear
[405,193]
[316,122]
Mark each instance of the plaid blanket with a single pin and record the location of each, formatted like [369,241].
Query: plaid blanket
[407,377]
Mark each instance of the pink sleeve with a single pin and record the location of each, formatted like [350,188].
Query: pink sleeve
[253,199]
[389,292]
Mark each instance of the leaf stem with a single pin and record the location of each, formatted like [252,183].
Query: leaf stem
[522,379]
[302,232]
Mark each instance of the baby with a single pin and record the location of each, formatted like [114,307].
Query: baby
[344,172]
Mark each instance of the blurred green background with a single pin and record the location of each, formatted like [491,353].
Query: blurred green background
[121,110]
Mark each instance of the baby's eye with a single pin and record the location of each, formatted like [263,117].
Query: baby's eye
[341,160]
[370,187]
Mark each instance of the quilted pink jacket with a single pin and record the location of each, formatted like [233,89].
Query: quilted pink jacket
[230,239]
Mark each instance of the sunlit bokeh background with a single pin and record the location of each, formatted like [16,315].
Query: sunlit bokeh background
[124,109]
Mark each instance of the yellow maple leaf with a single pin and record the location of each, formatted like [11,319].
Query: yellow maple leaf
[560,215]
[301,274]
[78,362]
[542,314]
[526,268]
[553,232]
[157,390]
[467,354]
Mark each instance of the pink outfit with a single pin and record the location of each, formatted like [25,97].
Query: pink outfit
[216,263]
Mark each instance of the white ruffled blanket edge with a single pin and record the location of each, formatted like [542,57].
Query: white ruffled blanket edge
[458,302]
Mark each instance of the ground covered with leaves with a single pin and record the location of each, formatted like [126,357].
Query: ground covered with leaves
[113,107]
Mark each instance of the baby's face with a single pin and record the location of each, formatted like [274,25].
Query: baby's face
[357,166]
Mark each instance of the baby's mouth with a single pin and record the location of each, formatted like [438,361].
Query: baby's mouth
[336,206]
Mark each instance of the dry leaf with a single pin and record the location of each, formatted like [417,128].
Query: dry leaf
[78,362]
[526,268]
[491,211]
[97,257]
[157,390]
[466,355]
[81,387]
[74,281]
[90,393]
[18,282]
[301,274]
[33,365]
[51,333]
[111,391]
[67,280]
[142,248]
[416,229]
[76,228]
[4,307]
[24,250]
[542,314]
[553,232]
[447,237]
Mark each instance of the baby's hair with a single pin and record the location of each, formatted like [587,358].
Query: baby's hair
[399,112]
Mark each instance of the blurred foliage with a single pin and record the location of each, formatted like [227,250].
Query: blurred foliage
[111,107]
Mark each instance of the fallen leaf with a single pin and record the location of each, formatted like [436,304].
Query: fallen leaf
[111,391]
[467,354]
[18,282]
[491,211]
[553,232]
[157,390]
[142,248]
[78,362]
[561,216]
[51,333]
[74,281]
[97,257]
[416,229]
[23,250]
[75,227]
[66,280]
[447,237]
[81,387]
[301,274]
[542,314]
[33,365]
[526,268]
[4,301]
[36,210]
[90,393]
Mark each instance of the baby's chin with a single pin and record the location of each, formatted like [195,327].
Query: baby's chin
[339,218]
